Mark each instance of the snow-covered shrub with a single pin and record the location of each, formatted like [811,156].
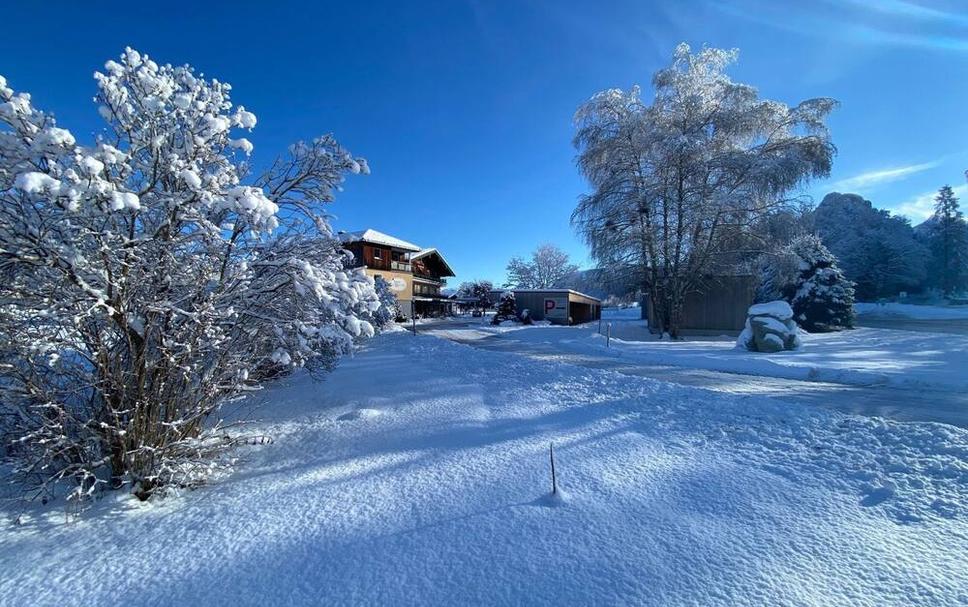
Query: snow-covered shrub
[144,283]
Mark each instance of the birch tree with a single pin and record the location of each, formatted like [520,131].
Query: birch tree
[674,181]
[548,267]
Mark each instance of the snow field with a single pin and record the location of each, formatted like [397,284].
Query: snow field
[863,356]
[916,312]
[417,473]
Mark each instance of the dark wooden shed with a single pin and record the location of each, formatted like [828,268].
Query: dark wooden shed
[559,306]
[721,305]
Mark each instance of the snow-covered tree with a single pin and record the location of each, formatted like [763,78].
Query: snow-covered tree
[506,309]
[674,182]
[876,250]
[548,267]
[389,309]
[947,237]
[144,282]
[777,275]
[479,291]
[822,298]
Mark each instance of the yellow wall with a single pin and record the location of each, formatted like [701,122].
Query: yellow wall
[406,294]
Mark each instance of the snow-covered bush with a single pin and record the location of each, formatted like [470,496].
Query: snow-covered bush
[143,283]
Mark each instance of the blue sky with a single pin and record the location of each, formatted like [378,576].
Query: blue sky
[464,108]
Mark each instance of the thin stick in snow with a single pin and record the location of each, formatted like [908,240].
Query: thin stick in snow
[554,479]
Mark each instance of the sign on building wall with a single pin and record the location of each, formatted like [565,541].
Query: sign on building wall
[556,308]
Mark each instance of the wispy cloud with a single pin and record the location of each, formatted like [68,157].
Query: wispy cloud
[874,22]
[922,206]
[904,9]
[867,180]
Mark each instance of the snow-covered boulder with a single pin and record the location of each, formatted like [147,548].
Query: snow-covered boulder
[770,328]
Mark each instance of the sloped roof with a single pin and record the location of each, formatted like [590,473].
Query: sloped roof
[375,237]
[434,251]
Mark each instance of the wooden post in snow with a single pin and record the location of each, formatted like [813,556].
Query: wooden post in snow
[554,479]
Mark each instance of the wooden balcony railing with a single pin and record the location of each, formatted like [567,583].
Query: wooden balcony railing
[384,264]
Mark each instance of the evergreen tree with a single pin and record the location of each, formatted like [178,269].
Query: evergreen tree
[822,298]
[778,273]
[506,309]
[949,243]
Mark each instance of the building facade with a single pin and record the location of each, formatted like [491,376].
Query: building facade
[416,275]
[559,306]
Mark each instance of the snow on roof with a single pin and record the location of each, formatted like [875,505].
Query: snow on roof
[375,237]
[572,291]
[425,252]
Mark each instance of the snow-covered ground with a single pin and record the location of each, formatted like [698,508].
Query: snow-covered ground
[915,312]
[417,473]
[864,356]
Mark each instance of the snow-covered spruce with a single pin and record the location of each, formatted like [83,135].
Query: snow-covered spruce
[506,309]
[143,283]
[805,274]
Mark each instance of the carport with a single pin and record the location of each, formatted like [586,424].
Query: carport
[559,306]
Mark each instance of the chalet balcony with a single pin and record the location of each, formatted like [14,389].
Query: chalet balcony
[386,264]
[434,279]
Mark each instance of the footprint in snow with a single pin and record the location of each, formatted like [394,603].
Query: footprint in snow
[877,495]
[359,414]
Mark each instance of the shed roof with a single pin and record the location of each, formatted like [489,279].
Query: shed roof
[571,291]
